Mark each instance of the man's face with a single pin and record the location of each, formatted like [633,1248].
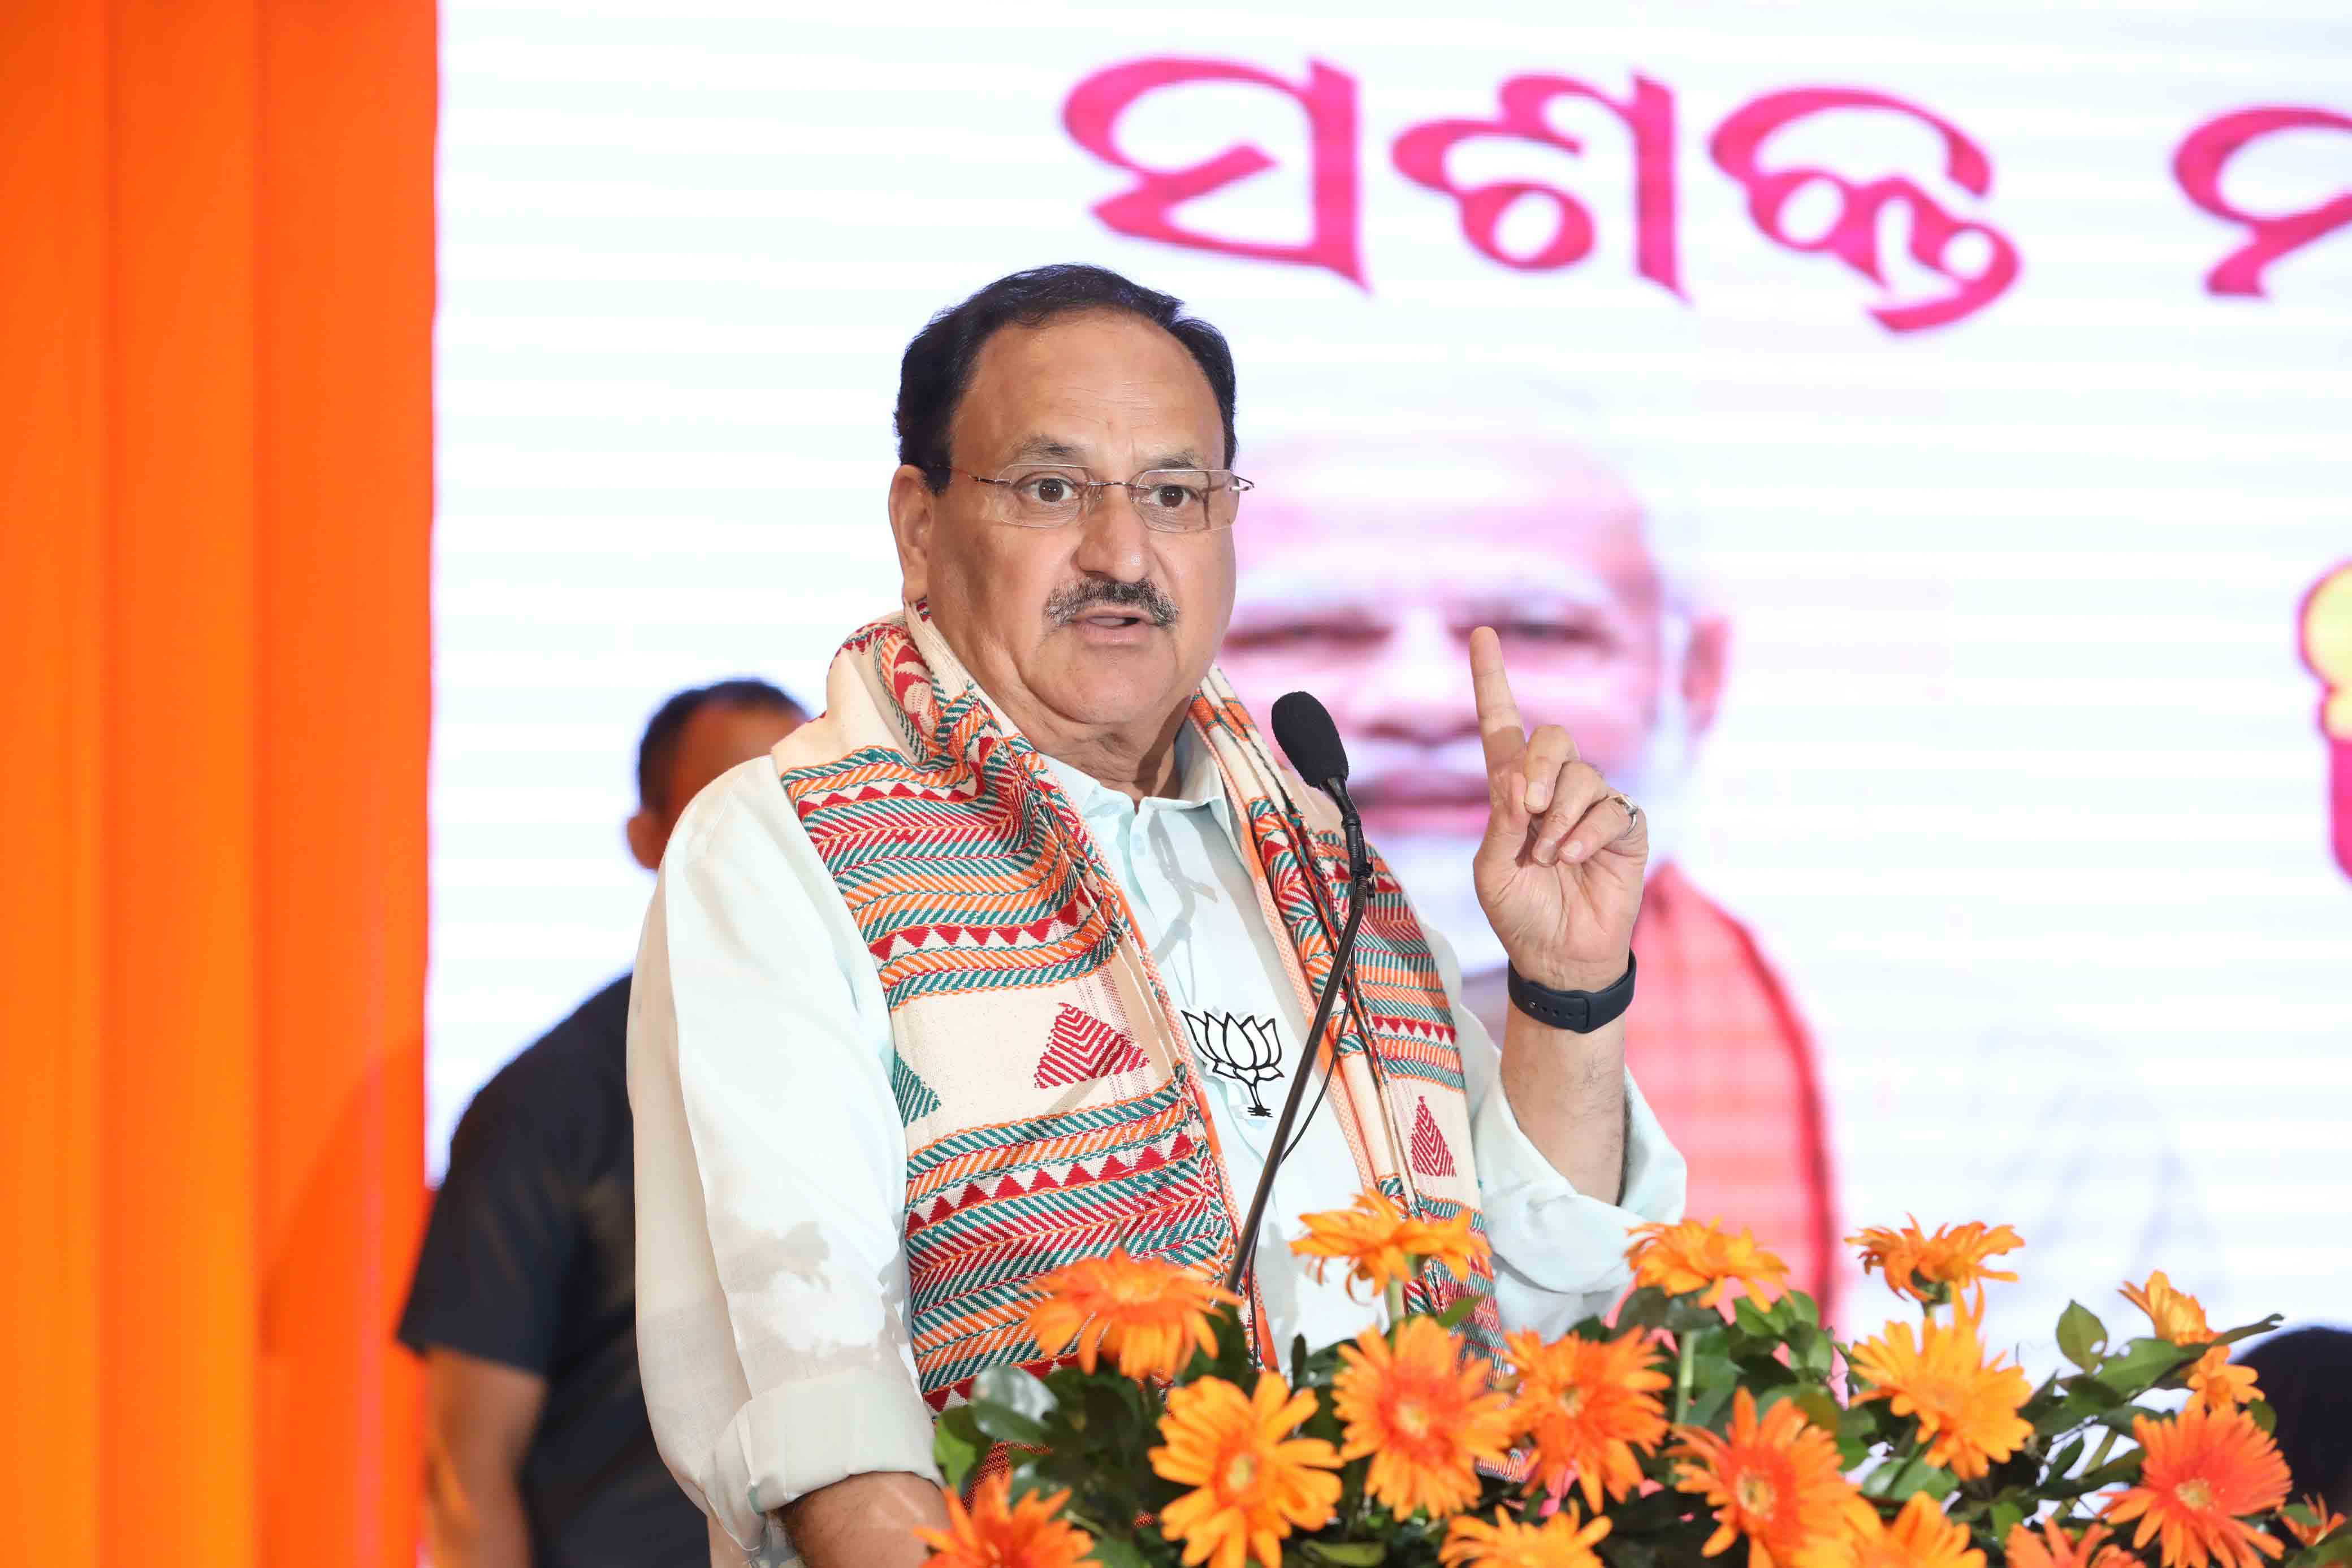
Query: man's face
[1363,572]
[1102,622]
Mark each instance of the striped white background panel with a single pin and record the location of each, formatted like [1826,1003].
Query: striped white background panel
[2017,776]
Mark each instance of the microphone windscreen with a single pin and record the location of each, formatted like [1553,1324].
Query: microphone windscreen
[1310,738]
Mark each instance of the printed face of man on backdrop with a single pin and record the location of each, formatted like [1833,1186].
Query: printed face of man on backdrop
[1363,570]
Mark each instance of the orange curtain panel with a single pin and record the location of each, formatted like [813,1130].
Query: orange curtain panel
[216,500]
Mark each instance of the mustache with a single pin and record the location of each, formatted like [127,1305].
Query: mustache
[1069,603]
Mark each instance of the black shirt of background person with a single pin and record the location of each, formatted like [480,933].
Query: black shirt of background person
[530,1260]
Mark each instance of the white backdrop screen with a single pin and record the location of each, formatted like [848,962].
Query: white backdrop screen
[1980,375]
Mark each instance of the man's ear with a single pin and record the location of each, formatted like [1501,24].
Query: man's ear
[913,515]
[647,839]
[1705,666]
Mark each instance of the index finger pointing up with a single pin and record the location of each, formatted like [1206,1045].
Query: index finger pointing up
[1500,730]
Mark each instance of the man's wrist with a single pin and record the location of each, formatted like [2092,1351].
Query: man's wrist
[1574,977]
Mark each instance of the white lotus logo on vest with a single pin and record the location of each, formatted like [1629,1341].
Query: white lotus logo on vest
[1245,1049]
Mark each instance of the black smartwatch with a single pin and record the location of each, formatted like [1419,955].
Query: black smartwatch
[1579,1012]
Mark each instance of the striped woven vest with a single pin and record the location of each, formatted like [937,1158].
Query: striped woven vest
[1051,1109]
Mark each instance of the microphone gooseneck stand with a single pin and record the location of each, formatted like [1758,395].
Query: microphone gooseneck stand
[1360,882]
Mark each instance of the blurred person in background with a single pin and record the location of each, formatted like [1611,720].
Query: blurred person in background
[1364,565]
[2305,1374]
[538,1453]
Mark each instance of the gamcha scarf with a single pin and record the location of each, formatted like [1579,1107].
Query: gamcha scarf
[1051,1107]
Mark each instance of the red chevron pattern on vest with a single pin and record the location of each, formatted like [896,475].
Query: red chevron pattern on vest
[1081,1047]
[1430,1155]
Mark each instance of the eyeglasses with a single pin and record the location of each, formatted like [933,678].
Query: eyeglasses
[1170,500]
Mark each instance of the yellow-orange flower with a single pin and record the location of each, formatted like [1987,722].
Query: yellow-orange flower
[1253,1482]
[2204,1471]
[1589,1406]
[1563,1541]
[2324,1521]
[2220,1384]
[1425,1415]
[1027,1534]
[1378,1241]
[1151,1313]
[2053,1548]
[1920,1537]
[2177,1315]
[1967,1409]
[1775,1482]
[1694,1255]
[1912,1263]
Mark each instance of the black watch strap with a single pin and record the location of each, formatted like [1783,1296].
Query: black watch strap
[1579,1012]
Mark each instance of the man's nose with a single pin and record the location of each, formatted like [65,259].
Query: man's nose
[1112,541]
[1416,686]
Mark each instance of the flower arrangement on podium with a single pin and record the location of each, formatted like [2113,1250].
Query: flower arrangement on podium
[1713,1413]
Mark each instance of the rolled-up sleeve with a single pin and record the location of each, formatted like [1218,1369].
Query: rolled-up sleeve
[1560,1254]
[771,1173]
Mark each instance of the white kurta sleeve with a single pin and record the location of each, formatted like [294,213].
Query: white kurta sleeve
[1560,1255]
[771,1173]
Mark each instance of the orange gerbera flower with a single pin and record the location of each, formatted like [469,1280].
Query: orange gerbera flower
[1589,1404]
[1967,1409]
[1775,1482]
[2053,1548]
[2324,1521]
[1425,1415]
[1695,1255]
[1912,1263]
[1253,1482]
[2177,1315]
[1151,1312]
[1379,1242]
[2204,1472]
[1920,1537]
[1563,1541]
[1027,1534]
[2220,1383]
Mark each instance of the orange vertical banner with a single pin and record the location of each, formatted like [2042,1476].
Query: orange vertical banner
[216,236]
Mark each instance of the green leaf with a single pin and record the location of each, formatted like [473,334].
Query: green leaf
[1820,1409]
[1898,1479]
[957,1444]
[1685,1316]
[2081,1336]
[1007,1424]
[1750,1317]
[1112,1553]
[1015,1389]
[1459,1309]
[1802,1309]
[1347,1554]
[2064,1458]
[2247,1331]
[2006,1517]
[1810,1349]
[2085,1397]
[2141,1365]
[2262,1416]
[1643,1309]
[2335,1548]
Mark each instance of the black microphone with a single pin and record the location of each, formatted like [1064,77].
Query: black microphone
[1312,742]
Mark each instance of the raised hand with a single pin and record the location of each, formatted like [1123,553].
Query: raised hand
[1559,871]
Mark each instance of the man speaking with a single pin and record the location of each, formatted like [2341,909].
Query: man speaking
[1000,962]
